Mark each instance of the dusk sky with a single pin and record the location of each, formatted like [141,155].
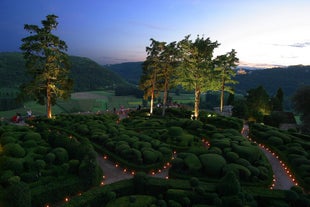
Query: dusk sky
[114,31]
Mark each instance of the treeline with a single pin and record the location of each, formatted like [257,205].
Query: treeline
[86,74]
[289,79]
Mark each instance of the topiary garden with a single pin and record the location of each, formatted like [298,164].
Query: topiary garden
[211,163]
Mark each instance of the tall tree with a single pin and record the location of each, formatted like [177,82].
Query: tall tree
[169,62]
[197,69]
[225,66]
[301,103]
[258,103]
[47,63]
[148,81]
[277,101]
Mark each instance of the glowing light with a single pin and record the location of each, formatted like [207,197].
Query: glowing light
[116,165]
[66,199]
[167,177]
[102,183]
[132,172]
[105,157]
[125,170]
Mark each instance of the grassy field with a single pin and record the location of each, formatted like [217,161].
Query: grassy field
[91,101]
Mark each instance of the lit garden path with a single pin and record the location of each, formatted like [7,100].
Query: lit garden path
[282,180]
[113,173]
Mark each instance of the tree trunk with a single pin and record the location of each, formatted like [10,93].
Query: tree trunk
[222,97]
[165,97]
[152,101]
[48,102]
[197,102]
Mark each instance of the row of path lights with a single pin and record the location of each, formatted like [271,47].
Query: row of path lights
[286,171]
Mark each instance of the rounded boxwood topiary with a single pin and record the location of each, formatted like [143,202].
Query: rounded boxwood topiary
[175,131]
[149,156]
[7,139]
[61,155]
[212,164]
[275,141]
[192,162]
[50,157]
[231,156]
[14,150]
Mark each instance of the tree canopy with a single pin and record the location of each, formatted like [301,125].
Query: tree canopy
[47,64]
[301,103]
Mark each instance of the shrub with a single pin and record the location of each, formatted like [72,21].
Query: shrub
[14,150]
[10,163]
[175,131]
[18,195]
[50,157]
[61,155]
[149,156]
[5,176]
[221,143]
[5,139]
[239,170]
[192,162]
[275,141]
[232,156]
[250,153]
[177,163]
[229,185]
[33,136]
[212,164]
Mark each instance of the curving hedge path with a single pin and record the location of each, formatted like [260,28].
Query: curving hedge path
[282,179]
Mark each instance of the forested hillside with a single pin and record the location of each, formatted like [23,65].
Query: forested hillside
[130,71]
[289,79]
[87,74]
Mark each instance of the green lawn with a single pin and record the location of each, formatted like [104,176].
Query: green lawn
[107,101]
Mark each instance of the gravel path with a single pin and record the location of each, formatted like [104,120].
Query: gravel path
[282,179]
[114,174]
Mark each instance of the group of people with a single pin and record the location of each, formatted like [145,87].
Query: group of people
[17,118]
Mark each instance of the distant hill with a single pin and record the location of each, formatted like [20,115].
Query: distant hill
[288,78]
[130,71]
[87,74]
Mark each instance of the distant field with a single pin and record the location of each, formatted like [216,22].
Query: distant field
[91,101]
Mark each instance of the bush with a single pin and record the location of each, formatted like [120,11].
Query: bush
[192,162]
[275,141]
[212,164]
[14,150]
[50,157]
[231,156]
[18,195]
[61,155]
[175,131]
[229,185]
[33,136]
[221,143]
[149,156]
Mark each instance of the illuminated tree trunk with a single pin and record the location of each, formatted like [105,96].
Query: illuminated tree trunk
[152,101]
[222,96]
[48,101]
[165,97]
[197,102]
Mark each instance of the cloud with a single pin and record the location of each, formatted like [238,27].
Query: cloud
[296,45]
[300,44]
